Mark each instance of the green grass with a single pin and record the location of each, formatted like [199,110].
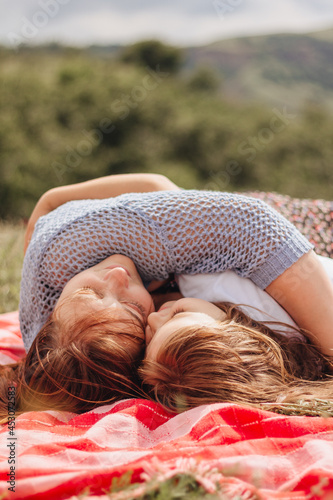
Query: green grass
[187,485]
[11,258]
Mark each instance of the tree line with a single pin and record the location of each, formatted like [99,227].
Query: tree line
[68,116]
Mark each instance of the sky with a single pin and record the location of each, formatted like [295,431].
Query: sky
[179,22]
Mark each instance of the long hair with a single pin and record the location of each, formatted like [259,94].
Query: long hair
[76,366]
[238,360]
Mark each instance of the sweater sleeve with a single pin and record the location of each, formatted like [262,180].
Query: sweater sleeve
[206,232]
[162,232]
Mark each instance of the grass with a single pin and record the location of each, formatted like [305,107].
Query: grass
[11,258]
[180,486]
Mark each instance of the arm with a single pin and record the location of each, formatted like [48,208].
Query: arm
[305,291]
[103,187]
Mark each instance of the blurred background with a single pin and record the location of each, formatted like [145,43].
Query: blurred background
[224,94]
[218,94]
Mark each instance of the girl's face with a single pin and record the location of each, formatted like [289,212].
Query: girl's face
[175,315]
[112,284]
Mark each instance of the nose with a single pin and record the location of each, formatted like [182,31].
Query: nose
[117,277]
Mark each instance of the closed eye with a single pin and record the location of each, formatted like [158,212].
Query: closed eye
[89,289]
[137,307]
[132,307]
[177,311]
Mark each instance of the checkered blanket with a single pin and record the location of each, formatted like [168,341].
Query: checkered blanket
[231,451]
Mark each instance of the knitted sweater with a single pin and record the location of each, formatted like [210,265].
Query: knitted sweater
[186,232]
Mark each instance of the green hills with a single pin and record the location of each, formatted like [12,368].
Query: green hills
[284,69]
[249,113]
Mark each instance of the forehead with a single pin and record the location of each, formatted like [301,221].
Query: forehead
[187,318]
[169,328]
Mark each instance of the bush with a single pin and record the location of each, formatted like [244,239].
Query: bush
[153,54]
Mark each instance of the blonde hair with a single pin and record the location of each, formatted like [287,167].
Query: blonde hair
[76,366]
[239,361]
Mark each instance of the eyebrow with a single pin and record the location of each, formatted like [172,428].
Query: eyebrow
[175,316]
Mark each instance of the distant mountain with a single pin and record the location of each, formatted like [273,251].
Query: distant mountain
[279,70]
[283,69]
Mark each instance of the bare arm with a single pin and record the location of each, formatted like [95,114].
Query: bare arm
[305,291]
[103,187]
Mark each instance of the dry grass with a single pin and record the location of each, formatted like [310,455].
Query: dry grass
[11,258]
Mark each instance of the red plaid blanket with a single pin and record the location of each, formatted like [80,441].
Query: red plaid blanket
[248,453]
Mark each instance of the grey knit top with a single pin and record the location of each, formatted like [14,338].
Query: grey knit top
[187,232]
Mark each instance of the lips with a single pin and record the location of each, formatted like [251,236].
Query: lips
[164,306]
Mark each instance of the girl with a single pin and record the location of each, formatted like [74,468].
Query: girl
[90,325]
[199,353]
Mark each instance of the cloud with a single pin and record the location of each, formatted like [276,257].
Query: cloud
[187,22]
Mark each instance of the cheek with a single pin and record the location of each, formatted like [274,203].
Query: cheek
[148,334]
[145,299]
[158,339]
[78,281]
[66,291]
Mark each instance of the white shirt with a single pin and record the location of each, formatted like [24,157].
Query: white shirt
[229,287]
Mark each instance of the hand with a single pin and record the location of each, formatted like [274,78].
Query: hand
[43,207]
[102,187]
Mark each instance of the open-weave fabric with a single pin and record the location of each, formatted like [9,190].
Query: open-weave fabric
[170,231]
